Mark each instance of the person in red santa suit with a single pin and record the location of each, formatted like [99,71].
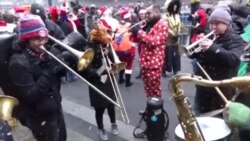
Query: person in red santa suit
[152,40]
[125,48]
[200,20]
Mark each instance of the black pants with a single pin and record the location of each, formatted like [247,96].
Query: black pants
[173,59]
[99,115]
[245,133]
[5,130]
[48,128]
[207,99]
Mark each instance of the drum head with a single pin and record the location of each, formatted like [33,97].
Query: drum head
[212,128]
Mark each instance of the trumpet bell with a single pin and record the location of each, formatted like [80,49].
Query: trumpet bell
[183,51]
[85,59]
[7,104]
[119,66]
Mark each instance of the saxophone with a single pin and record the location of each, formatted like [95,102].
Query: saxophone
[186,116]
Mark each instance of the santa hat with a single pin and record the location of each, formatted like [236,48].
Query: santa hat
[126,15]
[53,13]
[104,11]
[83,10]
[19,10]
[143,11]
[110,23]
[3,26]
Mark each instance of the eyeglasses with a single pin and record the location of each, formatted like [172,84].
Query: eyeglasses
[41,39]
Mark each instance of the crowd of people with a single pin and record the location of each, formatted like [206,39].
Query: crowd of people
[34,77]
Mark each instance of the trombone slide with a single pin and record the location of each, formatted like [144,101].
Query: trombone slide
[79,76]
[115,85]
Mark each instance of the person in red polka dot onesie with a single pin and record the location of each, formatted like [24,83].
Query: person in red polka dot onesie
[152,39]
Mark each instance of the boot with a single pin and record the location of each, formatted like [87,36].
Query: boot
[128,77]
[139,75]
[121,79]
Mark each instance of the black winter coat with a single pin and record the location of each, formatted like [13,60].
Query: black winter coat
[93,77]
[37,90]
[54,29]
[220,61]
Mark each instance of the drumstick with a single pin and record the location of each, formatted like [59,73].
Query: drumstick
[216,88]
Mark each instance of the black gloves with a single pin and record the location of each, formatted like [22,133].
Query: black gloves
[135,30]
[52,66]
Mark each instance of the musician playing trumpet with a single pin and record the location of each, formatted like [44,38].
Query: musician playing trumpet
[152,40]
[219,58]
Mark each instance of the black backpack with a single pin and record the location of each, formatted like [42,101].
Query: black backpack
[6,40]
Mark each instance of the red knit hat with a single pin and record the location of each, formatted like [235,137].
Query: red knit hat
[31,26]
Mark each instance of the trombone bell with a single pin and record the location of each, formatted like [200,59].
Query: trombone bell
[118,66]
[7,104]
[85,59]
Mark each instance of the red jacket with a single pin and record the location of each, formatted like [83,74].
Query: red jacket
[203,17]
[153,45]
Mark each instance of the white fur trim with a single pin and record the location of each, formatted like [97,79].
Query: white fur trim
[128,71]
[127,15]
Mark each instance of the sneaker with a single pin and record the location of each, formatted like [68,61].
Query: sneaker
[102,135]
[114,129]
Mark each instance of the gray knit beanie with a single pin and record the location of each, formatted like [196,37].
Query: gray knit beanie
[221,15]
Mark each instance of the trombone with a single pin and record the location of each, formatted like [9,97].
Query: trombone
[194,48]
[116,66]
[85,58]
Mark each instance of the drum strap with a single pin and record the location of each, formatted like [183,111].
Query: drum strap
[144,118]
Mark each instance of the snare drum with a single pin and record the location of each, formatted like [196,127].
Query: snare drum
[213,129]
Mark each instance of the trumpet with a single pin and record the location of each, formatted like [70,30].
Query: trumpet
[194,47]
[117,66]
[142,24]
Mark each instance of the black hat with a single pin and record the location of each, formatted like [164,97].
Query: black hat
[38,9]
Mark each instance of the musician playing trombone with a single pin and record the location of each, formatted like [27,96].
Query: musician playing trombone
[97,75]
[36,79]
[219,58]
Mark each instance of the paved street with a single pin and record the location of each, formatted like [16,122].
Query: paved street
[80,117]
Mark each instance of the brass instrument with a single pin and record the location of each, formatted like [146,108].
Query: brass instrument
[118,65]
[193,48]
[85,58]
[7,103]
[142,24]
[185,114]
